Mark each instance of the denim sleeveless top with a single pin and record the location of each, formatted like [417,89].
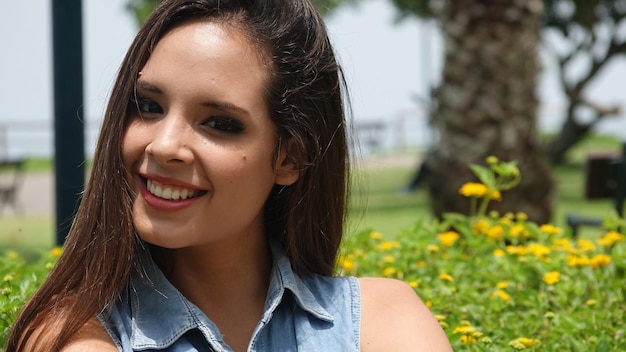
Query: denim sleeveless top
[301,313]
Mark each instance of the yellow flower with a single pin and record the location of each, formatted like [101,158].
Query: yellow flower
[521,216]
[414,284]
[505,220]
[428,304]
[389,259]
[376,235]
[420,264]
[448,238]
[389,271]
[13,255]
[388,245]
[538,250]
[519,231]
[610,238]
[591,302]
[500,294]
[467,340]
[585,245]
[502,284]
[498,252]
[55,252]
[492,160]
[599,261]
[8,278]
[495,232]
[440,317]
[550,229]
[480,227]
[464,330]
[551,278]
[346,264]
[561,244]
[495,195]
[446,277]
[523,342]
[577,261]
[432,248]
[473,189]
[518,250]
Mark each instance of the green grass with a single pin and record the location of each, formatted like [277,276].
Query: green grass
[26,234]
[377,202]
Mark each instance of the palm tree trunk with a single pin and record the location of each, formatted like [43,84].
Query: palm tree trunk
[486,103]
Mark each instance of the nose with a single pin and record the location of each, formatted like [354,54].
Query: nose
[170,141]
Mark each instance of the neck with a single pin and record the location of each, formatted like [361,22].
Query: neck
[222,273]
[228,282]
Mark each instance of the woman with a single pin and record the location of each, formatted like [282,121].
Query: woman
[215,207]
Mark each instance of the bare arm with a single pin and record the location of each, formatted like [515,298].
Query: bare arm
[393,318]
[92,337]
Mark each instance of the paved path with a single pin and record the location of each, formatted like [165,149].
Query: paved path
[36,195]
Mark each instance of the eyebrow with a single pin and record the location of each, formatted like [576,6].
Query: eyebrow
[222,106]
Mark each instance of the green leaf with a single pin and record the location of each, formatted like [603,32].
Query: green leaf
[485,175]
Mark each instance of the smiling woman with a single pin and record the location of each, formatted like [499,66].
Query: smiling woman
[215,207]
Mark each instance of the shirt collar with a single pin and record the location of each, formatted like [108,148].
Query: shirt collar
[283,278]
[161,314]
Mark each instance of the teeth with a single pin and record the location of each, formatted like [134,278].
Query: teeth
[169,192]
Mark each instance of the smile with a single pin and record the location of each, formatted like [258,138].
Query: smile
[169,192]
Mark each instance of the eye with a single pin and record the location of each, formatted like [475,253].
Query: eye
[225,124]
[146,106]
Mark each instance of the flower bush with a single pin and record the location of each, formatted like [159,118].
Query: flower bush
[20,277]
[501,282]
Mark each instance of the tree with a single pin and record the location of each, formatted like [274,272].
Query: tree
[591,29]
[486,103]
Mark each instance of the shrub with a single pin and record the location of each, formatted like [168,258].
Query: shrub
[500,282]
[20,278]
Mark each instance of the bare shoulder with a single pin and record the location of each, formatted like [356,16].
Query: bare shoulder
[393,318]
[91,337]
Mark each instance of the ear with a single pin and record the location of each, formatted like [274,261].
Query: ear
[286,167]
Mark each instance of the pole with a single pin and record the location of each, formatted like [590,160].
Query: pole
[69,144]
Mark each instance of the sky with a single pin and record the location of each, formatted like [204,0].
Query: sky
[387,65]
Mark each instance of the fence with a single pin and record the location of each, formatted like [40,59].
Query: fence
[402,132]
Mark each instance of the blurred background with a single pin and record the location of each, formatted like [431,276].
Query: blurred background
[410,65]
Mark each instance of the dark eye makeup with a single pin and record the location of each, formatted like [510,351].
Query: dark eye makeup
[145,105]
[224,124]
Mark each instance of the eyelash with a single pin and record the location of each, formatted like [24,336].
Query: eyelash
[220,123]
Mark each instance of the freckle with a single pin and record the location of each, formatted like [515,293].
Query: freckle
[244,158]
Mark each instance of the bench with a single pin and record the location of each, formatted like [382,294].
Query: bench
[605,177]
[11,178]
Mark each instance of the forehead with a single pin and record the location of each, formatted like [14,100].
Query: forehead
[208,58]
[231,35]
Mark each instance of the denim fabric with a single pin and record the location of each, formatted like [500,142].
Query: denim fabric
[308,313]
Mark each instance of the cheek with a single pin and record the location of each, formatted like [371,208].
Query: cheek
[131,145]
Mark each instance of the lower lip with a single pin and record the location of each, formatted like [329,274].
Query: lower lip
[166,204]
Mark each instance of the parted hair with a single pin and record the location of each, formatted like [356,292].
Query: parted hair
[305,95]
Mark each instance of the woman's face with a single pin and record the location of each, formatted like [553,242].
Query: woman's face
[200,147]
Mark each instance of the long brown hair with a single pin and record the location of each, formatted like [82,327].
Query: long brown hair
[305,97]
